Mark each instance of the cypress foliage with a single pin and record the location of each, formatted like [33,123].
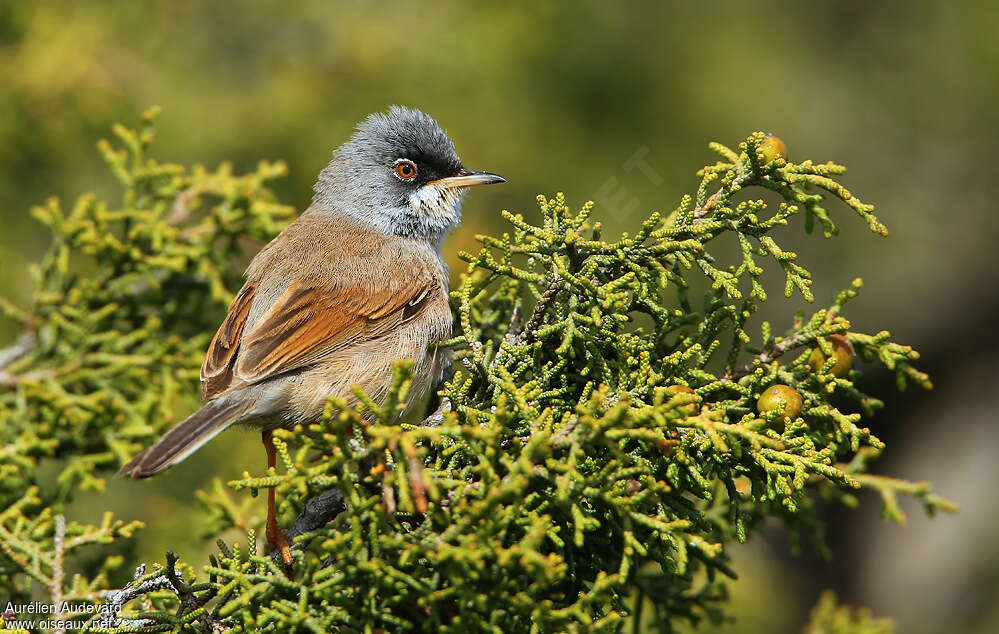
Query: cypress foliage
[609,431]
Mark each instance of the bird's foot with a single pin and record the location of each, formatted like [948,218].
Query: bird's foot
[276,539]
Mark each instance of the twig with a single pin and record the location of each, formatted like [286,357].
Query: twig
[170,579]
[318,512]
[116,599]
[513,330]
[565,432]
[179,211]
[511,338]
[766,356]
[703,210]
[709,205]
[58,573]
[544,303]
[24,344]
[437,418]
[889,488]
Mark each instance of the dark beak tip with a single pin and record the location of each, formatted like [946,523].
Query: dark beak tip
[493,178]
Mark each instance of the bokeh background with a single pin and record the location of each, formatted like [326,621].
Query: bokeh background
[573,97]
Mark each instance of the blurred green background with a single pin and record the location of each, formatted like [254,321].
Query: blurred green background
[614,103]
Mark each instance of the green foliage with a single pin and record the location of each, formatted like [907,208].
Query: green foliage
[830,618]
[123,308]
[598,444]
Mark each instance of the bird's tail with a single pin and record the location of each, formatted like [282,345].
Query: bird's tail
[187,436]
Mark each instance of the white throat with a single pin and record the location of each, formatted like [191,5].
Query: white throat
[441,205]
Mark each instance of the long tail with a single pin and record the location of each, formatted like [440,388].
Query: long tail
[187,436]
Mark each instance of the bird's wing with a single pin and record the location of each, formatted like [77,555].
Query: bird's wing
[306,323]
[216,371]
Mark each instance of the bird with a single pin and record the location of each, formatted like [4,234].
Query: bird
[355,283]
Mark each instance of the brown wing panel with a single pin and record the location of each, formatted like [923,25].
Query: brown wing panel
[307,323]
[216,371]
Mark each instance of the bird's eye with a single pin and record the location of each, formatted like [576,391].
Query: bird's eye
[405,169]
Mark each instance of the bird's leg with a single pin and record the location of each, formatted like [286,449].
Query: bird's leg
[275,536]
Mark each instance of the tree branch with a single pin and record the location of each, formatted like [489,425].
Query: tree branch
[437,418]
[58,572]
[318,512]
[544,303]
[116,599]
[24,344]
[766,356]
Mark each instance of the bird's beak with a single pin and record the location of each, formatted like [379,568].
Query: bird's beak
[467,178]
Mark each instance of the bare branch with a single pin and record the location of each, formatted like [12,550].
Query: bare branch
[116,599]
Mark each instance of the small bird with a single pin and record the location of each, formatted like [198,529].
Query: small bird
[357,282]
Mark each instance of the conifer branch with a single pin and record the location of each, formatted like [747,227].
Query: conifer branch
[573,458]
[544,303]
[772,353]
[58,573]
[115,600]
[24,345]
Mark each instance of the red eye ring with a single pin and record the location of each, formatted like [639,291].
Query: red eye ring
[405,169]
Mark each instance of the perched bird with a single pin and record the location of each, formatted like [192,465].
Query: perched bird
[356,282]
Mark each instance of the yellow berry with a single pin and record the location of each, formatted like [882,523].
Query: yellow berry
[774,396]
[771,148]
[677,389]
[842,352]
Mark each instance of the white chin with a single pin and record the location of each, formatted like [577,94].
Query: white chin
[439,203]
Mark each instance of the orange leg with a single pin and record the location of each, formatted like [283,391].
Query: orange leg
[275,536]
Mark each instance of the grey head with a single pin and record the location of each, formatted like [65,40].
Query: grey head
[400,174]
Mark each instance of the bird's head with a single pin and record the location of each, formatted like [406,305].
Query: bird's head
[401,174]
